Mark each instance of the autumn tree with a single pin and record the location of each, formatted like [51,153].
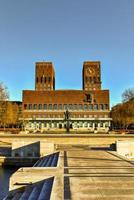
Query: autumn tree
[123,113]
[4,96]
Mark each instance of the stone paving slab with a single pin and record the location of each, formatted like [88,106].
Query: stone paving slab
[97,175]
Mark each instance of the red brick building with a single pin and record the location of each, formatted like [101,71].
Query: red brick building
[44,107]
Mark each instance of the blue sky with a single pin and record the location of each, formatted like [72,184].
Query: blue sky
[67,32]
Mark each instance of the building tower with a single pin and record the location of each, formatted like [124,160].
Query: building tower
[91,75]
[44,76]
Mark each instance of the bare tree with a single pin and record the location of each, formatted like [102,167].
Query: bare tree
[128,94]
[4,94]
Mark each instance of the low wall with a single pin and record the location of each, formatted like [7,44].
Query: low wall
[87,139]
[125,148]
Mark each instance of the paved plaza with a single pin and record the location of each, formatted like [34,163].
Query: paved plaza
[97,175]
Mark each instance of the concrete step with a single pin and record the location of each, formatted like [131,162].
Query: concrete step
[17,196]
[48,164]
[26,193]
[55,159]
[46,190]
[45,160]
[36,191]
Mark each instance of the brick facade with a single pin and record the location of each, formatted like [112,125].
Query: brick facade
[44,107]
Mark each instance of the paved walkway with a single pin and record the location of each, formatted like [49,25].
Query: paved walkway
[97,175]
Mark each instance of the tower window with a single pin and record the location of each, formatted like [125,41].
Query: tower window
[41,80]
[49,79]
[86,79]
[94,78]
[45,80]
[90,79]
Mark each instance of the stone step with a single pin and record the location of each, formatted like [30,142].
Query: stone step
[36,191]
[48,164]
[46,190]
[17,196]
[26,193]
[55,160]
[45,160]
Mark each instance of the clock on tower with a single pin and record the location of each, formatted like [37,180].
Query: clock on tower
[91,75]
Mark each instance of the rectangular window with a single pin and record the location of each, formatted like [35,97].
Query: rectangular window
[101,107]
[35,106]
[60,107]
[55,106]
[25,106]
[80,107]
[30,106]
[80,124]
[90,107]
[85,107]
[85,124]
[95,106]
[106,107]
[50,106]
[45,106]
[65,106]
[101,124]
[70,106]
[40,106]
[91,124]
[75,106]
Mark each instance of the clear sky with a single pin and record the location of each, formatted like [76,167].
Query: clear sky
[67,32]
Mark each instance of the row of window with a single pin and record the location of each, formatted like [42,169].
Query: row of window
[62,116]
[43,79]
[61,125]
[92,79]
[66,106]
